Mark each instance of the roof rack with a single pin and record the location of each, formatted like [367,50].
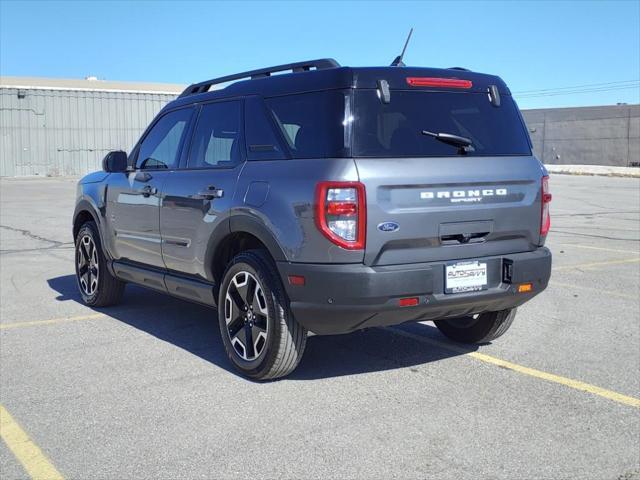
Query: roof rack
[319,64]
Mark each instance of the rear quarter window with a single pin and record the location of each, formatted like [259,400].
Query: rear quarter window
[311,123]
[261,139]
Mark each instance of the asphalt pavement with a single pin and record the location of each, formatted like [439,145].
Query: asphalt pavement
[143,390]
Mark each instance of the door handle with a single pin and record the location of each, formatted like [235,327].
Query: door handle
[148,190]
[210,193]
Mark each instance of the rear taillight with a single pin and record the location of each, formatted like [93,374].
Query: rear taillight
[545,219]
[341,213]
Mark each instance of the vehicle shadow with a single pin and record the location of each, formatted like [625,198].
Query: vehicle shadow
[194,328]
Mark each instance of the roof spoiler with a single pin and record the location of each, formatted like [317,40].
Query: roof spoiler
[320,64]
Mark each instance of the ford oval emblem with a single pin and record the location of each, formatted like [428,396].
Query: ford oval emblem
[388,227]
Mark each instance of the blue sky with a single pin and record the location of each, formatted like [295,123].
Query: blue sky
[541,45]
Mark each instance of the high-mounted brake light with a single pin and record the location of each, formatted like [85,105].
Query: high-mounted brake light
[545,218]
[341,213]
[439,82]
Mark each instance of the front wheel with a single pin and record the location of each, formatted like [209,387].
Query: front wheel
[98,288]
[480,328]
[260,335]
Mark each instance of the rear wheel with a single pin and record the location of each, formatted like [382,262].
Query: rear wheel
[480,328]
[260,335]
[98,288]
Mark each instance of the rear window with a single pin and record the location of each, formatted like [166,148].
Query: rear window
[312,123]
[395,129]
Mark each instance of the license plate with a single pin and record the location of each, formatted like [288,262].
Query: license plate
[465,277]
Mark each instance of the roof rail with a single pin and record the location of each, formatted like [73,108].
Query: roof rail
[319,64]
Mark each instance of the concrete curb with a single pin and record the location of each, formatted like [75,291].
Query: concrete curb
[601,170]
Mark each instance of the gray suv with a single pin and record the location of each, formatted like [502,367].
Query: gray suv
[325,199]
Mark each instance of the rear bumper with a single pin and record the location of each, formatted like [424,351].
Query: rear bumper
[341,298]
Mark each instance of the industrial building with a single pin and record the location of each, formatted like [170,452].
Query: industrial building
[608,135]
[53,127]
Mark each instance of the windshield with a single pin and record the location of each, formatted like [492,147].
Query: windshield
[395,129]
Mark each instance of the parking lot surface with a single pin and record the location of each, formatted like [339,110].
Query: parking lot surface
[144,390]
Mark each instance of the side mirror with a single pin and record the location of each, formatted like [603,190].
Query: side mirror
[115,161]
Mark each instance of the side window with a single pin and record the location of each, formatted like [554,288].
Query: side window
[160,149]
[262,143]
[313,124]
[217,139]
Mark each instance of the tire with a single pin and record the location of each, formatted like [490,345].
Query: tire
[260,335]
[98,288]
[482,328]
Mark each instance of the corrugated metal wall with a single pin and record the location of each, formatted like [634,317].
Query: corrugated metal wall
[607,135]
[68,132]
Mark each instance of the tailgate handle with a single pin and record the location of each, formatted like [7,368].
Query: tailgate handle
[463,233]
[463,238]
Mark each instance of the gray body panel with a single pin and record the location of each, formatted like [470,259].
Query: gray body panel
[188,222]
[132,218]
[287,209]
[494,199]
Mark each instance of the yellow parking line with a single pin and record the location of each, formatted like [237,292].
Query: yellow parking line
[550,377]
[599,291]
[597,264]
[589,247]
[28,454]
[5,326]
[532,372]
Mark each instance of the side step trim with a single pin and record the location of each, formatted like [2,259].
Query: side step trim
[188,289]
[175,285]
[142,276]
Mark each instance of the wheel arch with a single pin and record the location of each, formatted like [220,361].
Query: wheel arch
[83,213]
[245,233]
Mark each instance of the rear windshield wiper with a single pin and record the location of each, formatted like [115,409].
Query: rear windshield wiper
[463,143]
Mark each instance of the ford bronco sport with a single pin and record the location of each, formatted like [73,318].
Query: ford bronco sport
[325,199]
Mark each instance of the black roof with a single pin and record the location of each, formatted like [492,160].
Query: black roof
[327,76]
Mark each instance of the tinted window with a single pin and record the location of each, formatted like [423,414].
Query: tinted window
[217,139]
[161,147]
[395,129]
[312,123]
[262,143]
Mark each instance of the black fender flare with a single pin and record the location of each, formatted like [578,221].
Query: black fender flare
[85,205]
[240,223]
[216,238]
[257,228]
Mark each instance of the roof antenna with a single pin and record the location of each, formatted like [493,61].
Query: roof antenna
[398,60]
